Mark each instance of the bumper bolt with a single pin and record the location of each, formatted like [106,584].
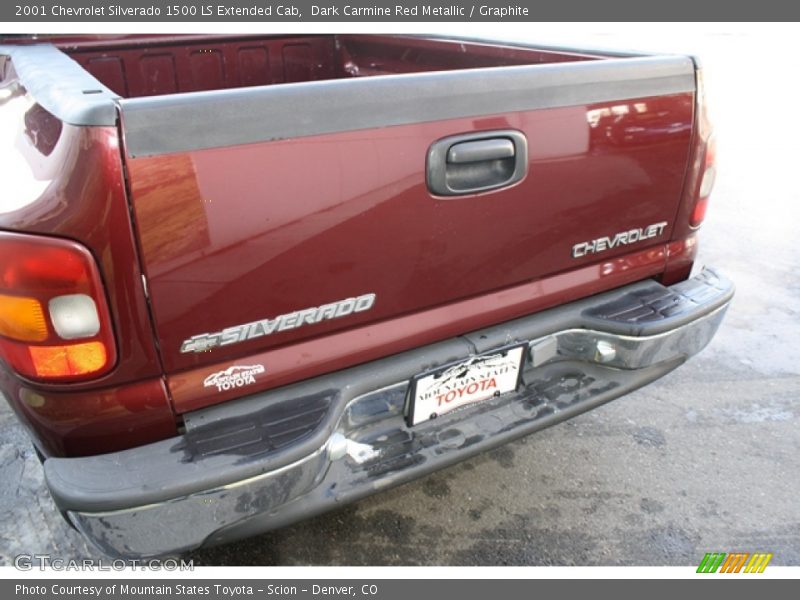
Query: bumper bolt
[604,352]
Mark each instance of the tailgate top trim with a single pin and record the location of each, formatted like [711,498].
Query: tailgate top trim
[157,125]
[164,124]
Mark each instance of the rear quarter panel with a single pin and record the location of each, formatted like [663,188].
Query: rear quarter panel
[67,181]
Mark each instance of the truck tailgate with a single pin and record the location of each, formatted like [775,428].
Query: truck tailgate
[274,215]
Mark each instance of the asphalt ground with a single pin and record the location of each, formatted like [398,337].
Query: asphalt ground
[706,459]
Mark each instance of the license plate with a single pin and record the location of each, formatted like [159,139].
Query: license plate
[478,378]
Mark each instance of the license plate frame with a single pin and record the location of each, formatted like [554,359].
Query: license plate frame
[464,383]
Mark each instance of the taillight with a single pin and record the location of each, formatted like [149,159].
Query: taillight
[706,184]
[54,319]
[705,158]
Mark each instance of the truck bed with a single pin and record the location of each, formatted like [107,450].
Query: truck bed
[154,66]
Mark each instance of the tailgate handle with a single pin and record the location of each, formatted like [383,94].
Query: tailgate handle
[493,149]
[476,162]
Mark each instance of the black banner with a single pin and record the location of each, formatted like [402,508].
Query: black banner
[354,11]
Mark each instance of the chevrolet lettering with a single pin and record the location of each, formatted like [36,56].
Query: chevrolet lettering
[623,238]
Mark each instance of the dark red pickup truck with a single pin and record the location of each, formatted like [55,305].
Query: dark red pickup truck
[246,279]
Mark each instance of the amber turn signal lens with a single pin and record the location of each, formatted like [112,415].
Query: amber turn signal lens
[22,319]
[64,361]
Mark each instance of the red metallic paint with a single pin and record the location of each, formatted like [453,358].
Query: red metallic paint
[353,346]
[280,226]
[83,199]
[680,260]
[699,148]
[72,187]
[87,423]
[225,239]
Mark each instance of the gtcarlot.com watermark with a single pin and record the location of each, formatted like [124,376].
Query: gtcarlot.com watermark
[42,562]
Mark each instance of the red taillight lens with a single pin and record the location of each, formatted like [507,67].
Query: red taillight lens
[706,184]
[705,161]
[54,320]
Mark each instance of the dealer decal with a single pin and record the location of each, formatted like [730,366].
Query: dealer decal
[233,377]
[473,380]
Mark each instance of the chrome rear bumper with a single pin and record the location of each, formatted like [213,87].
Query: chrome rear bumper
[220,481]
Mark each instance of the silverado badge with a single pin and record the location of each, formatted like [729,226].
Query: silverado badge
[309,316]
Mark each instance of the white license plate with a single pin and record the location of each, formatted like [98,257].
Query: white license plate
[475,379]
